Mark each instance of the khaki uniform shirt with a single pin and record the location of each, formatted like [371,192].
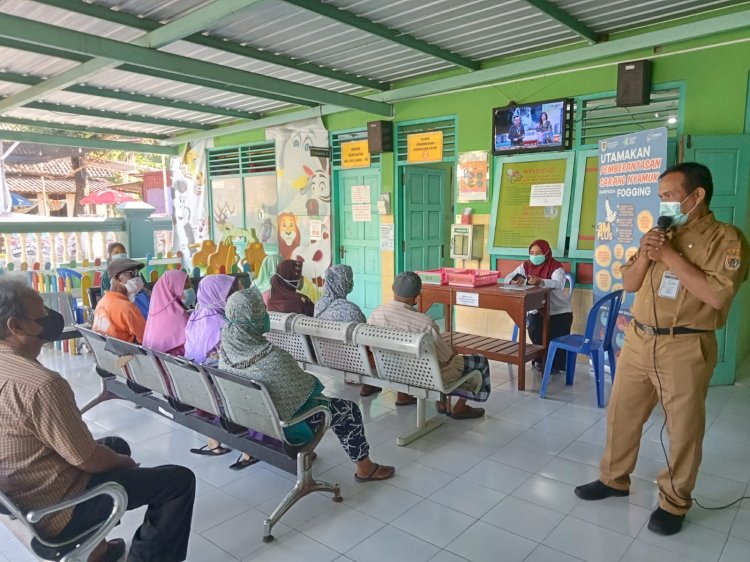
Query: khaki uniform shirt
[719,250]
[42,438]
[399,316]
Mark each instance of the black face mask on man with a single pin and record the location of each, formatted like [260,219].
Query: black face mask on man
[52,325]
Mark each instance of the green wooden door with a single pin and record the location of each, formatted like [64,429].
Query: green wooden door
[728,158]
[359,241]
[424,219]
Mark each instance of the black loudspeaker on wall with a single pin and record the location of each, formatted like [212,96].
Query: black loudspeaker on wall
[380,136]
[634,83]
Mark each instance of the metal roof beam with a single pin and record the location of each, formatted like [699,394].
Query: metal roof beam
[363,24]
[130,20]
[110,50]
[77,142]
[104,114]
[97,91]
[739,20]
[197,81]
[243,90]
[80,128]
[564,18]
[186,25]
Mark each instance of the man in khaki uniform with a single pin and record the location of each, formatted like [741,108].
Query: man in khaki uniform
[684,279]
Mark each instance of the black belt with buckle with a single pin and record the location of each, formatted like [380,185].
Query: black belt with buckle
[677,331]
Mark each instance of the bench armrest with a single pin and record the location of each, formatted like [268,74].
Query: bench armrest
[100,531]
[307,414]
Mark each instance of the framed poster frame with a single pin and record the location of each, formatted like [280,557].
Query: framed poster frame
[499,162]
[575,219]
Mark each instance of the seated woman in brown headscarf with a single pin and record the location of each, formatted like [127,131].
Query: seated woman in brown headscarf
[285,285]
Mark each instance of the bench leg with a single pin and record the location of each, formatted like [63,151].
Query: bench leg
[423,426]
[304,485]
[103,396]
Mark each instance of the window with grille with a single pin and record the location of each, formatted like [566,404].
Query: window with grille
[601,118]
[241,160]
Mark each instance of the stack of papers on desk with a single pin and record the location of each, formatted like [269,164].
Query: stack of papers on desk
[517,287]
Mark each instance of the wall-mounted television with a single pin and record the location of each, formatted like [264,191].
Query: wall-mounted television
[532,127]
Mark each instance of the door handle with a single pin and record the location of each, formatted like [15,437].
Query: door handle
[342,251]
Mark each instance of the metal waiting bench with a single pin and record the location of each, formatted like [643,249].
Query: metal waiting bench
[76,549]
[403,361]
[177,389]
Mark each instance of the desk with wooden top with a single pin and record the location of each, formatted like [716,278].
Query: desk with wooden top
[517,303]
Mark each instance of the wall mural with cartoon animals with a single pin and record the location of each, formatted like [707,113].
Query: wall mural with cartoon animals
[303,202]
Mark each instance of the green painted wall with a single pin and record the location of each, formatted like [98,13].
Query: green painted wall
[715,103]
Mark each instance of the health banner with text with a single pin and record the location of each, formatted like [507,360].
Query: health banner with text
[627,207]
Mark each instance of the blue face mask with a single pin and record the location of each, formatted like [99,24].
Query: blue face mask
[188,298]
[537,259]
[673,209]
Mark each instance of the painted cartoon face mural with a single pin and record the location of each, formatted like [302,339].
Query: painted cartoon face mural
[289,235]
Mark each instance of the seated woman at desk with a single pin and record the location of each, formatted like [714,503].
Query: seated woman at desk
[542,270]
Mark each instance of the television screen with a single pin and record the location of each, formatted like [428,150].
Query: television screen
[530,128]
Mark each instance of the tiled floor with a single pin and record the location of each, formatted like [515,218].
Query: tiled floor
[498,488]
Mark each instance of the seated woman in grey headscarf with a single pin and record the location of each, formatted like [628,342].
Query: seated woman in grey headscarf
[245,352]
[333,304]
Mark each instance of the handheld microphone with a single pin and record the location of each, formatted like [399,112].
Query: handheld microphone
[663,223]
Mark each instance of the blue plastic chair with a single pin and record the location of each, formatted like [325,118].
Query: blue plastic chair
[570,283]
[592,343]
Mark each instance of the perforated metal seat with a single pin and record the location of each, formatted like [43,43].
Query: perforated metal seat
[333,344]
[105,360]
[248,404]
[409,359]
[142,368]
[282,335]
[189,383]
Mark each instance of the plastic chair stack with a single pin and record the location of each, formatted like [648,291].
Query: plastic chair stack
[595,342]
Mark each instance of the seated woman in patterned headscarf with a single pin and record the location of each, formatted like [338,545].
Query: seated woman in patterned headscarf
[333,305]
[245,352]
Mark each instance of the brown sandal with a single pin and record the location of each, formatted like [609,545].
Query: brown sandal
[369,390]
[372,478]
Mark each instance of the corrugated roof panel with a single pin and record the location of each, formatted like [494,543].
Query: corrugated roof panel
[70,20]
[129,107]
[157,10]
[129,81]
[616,15]
[24,62]
[89,121]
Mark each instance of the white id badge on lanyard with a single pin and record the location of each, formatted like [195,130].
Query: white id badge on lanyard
[670,286]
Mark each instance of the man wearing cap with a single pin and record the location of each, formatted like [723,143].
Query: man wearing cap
[116,315]
[401,315]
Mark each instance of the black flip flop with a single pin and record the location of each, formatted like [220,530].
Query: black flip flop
[243,463]
[371,477]
[205,451]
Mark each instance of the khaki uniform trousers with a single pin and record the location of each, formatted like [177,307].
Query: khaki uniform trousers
[685,364]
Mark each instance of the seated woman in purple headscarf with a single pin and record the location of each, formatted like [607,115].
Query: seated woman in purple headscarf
[202,335]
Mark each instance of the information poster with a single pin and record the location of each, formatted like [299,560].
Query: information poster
[473,176]
[518,223]
[362,213]
[627,208]
[387,236]
[360,194]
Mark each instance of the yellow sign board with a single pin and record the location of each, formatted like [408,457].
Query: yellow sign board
[424,147]
[355,154]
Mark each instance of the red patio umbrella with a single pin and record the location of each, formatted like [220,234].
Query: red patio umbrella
[107,197]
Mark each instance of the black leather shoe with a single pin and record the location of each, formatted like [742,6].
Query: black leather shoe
[598,490]
[662,522]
